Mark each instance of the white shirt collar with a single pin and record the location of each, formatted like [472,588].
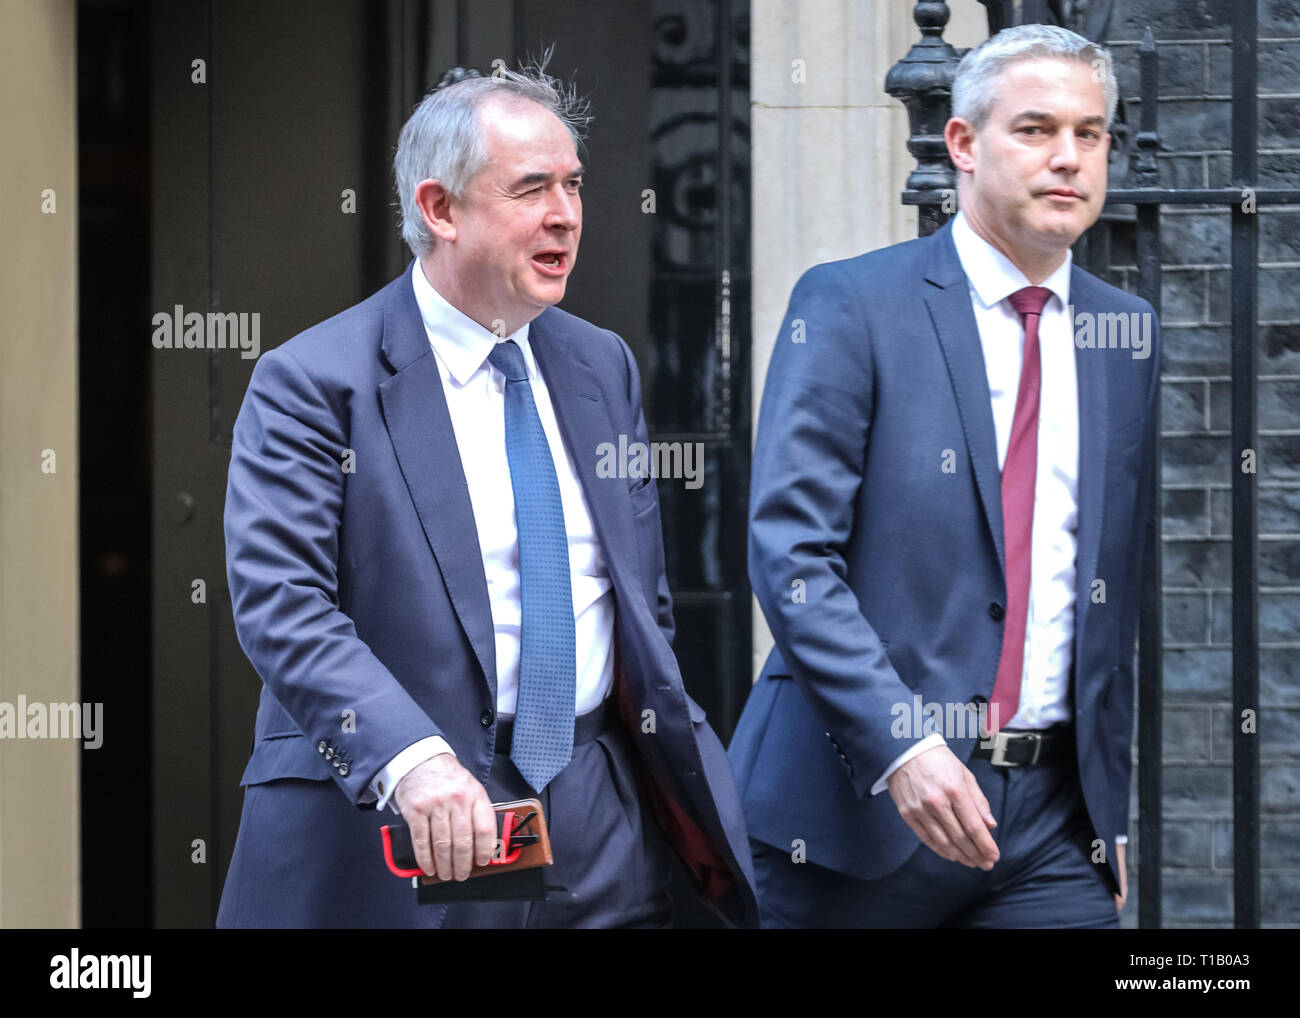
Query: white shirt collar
[992,275]
[459,341]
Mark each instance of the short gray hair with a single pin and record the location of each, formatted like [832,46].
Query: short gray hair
[443,139]
[974,89]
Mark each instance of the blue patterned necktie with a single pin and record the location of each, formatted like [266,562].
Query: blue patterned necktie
[542,744]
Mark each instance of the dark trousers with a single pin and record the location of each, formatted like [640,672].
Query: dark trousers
[610,854]
[1044,876]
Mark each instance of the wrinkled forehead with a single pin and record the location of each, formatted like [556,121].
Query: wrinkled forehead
[1058,86]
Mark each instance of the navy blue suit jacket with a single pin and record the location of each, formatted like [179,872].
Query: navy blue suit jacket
[360,598]
[901,563]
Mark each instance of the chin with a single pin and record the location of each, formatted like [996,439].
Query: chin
[549,296]
[1061,231]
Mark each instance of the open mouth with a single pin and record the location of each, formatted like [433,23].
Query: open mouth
[552,263]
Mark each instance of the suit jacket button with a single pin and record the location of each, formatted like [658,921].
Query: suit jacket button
[996,611]
[320,746]
[343,771]
[485,719]
[329,753]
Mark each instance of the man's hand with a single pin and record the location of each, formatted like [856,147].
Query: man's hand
[941,801]
[450,816]
[1123,878]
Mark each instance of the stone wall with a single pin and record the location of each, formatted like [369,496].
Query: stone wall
[1195,121]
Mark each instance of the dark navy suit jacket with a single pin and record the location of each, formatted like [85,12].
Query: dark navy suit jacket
[882,576]
[363,591]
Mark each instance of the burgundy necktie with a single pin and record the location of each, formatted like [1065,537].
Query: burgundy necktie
[1019,472]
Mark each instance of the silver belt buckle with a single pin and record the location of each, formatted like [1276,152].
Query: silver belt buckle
[1002,739]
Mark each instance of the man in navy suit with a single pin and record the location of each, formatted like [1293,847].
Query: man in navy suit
[446,602]
[951,487]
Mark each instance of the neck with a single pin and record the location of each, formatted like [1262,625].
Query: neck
[1036,263]
[444,280]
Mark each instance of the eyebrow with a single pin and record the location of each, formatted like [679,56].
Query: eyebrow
[1042,115]
[529,179]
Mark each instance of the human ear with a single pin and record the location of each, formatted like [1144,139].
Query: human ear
[959,136]
[435,203]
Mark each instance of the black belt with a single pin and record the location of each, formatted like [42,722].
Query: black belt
[585,726]
[1025,748]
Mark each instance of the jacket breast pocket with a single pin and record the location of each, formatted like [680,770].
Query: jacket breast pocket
[642,497]
[284,756]
[649,538]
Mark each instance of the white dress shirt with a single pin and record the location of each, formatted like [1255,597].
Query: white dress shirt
[1049,625]
[475,393]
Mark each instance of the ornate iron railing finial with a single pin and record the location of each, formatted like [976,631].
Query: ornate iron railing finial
[922,81]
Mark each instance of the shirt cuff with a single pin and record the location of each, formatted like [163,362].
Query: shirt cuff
[929,742]
[1121,839]
[386,780]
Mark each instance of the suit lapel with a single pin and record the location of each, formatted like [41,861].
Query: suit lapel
[948,299]
[1091,367]
[419,426]
[585,423]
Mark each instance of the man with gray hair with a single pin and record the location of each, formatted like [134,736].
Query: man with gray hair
[447,605]
[958,489]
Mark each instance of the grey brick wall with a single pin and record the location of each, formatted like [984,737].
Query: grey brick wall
[1194,39]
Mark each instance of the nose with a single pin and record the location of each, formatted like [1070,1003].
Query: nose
[565,210]
[1065,152]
